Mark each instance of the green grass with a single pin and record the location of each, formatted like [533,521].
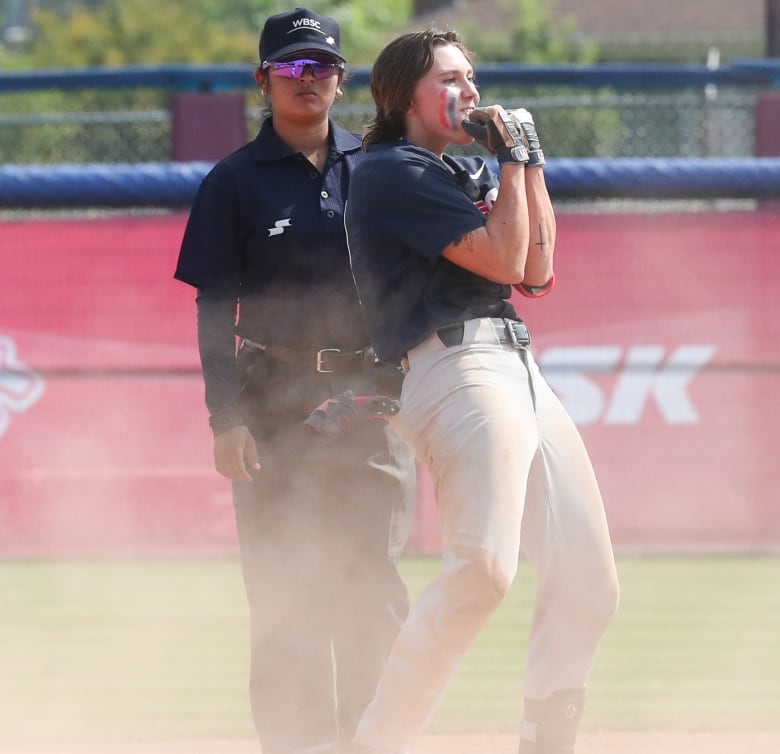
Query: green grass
[93,650]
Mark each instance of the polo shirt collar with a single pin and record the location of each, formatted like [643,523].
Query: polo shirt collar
[269,147]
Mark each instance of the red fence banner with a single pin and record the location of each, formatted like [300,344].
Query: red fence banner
[661,337]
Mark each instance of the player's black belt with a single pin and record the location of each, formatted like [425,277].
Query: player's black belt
[508,331]
[322,360]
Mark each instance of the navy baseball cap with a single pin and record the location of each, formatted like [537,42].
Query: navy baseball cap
[298,30]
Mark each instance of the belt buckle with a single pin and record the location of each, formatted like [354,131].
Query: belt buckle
[252,345]
[320,359]
[510,329]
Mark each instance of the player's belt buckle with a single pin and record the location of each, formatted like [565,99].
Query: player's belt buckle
[321,360]
[521,340]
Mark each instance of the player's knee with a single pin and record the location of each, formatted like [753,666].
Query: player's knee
[597,600]
[482,579]
[608,596]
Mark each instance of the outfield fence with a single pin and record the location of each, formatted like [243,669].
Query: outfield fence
[579,124]
[129,115]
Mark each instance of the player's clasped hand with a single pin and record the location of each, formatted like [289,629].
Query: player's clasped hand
[496,130]
[234,450]
[525,121]
[509,134]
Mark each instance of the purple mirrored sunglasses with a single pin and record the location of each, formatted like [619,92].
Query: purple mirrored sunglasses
[294,69]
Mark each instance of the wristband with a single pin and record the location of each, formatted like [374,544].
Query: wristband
[517,154]
[535,291]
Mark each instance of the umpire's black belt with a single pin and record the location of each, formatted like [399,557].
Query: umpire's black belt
[512,331]
[322,360]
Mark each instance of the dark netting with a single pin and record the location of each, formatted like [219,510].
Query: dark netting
[599,123]
[50,138]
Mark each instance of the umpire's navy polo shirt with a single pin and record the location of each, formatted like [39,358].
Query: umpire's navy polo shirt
[267,228]
[406,207]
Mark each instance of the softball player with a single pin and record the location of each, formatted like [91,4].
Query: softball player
[436,245]
[320,525]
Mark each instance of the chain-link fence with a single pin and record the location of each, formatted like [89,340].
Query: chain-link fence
[711,122]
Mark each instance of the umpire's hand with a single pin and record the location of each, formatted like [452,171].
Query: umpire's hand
[233,451]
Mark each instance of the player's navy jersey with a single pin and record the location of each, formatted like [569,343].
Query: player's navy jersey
[267,228]
[405,207]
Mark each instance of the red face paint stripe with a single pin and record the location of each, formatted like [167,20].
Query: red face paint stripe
[447,112]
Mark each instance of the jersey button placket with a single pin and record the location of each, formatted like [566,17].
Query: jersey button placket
[330,213]
[327,205]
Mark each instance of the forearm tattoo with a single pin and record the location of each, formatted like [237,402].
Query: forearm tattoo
[541,243]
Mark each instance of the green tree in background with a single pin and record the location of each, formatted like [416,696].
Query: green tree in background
[117,32]
[111,33]
[73,34]
[131,33]
[534,37]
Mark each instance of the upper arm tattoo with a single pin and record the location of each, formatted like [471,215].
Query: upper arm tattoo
[467,239]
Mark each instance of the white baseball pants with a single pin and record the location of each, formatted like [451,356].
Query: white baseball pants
[510,473]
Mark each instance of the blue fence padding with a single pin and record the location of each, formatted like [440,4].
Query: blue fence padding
[155,184]
[189,77]
[654,178]
[173,185]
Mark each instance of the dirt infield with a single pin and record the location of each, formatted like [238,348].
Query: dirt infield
[589,743]
[615,743]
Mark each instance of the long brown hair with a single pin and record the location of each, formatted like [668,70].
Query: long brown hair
[394,76]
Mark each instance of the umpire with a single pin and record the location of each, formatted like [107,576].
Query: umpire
[320,524]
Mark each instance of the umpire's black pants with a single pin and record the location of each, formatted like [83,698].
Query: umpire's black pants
[320,529]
